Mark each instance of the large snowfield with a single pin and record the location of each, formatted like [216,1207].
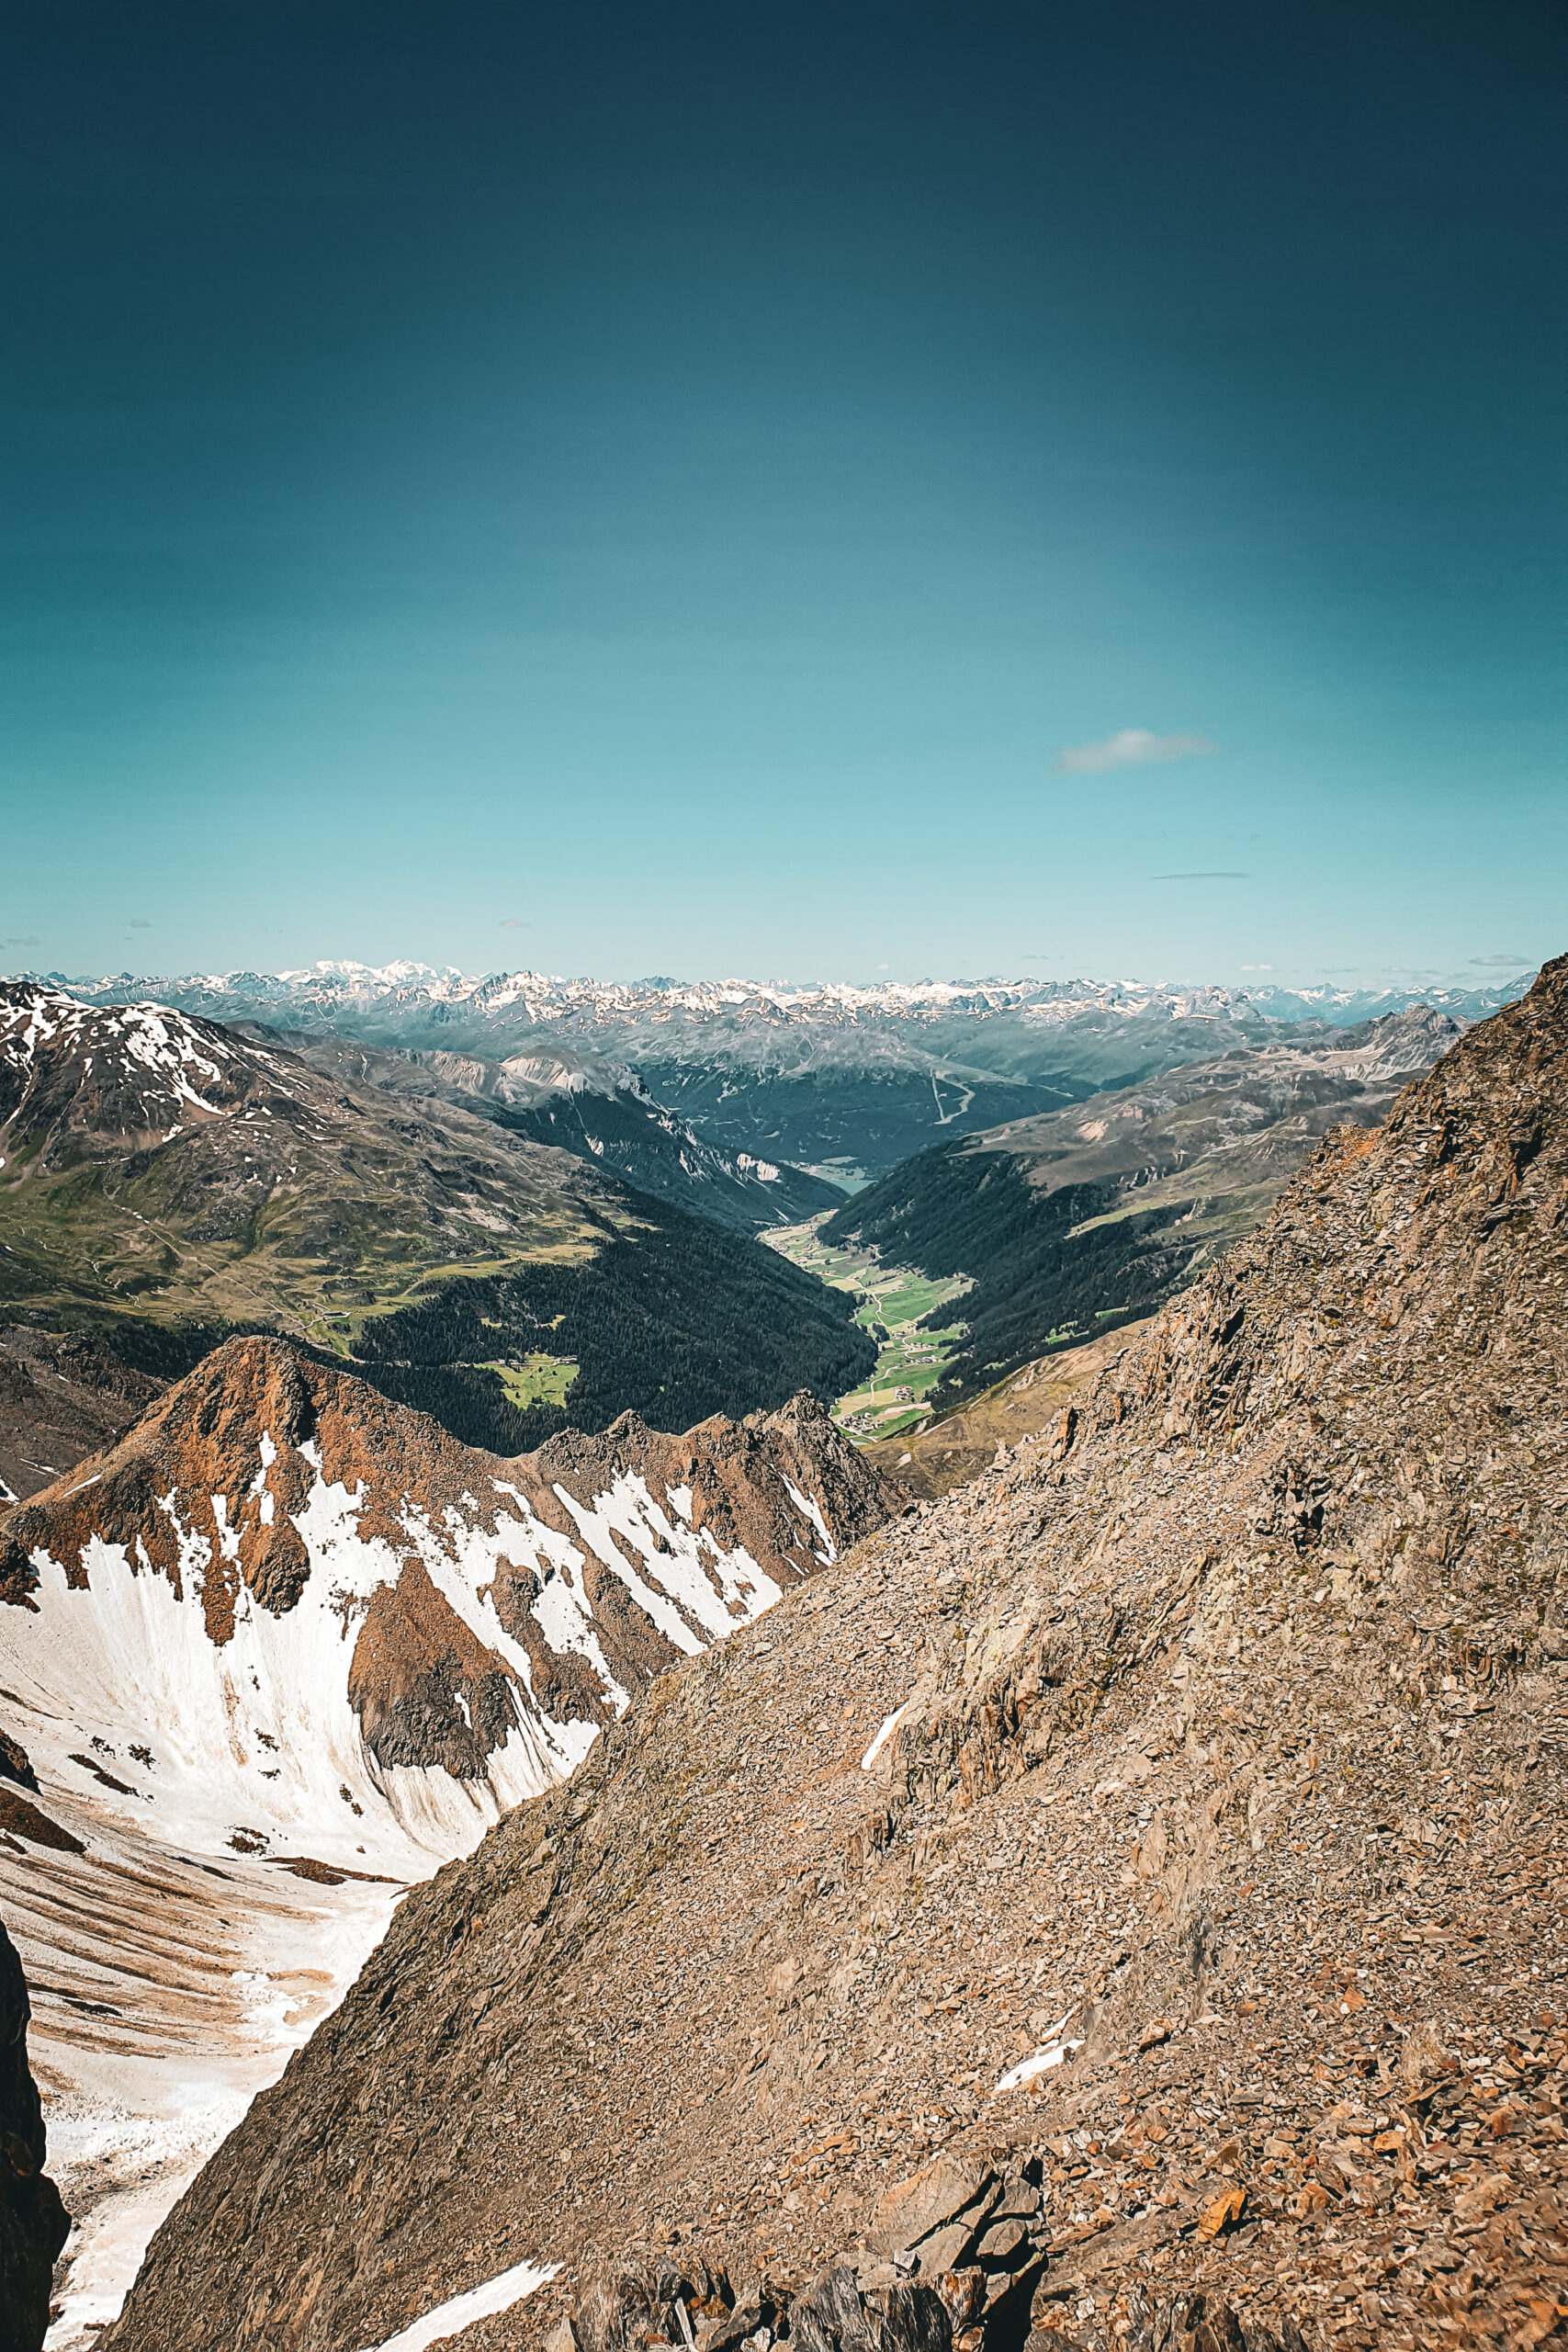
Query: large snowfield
[176,1961]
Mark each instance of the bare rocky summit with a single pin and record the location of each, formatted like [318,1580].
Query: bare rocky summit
[1119,1904]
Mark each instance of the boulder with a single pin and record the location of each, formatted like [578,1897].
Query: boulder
[914,2207]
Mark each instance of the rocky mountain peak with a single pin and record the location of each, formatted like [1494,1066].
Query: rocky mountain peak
[464,1617]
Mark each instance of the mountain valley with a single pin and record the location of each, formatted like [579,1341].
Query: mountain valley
[1069,1224]
[1173,1652]
[1155,1843]
[164,1181]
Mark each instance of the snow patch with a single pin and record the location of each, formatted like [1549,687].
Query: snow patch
[809,1508]
[890,1725]
[497,2294]
[1052,2052]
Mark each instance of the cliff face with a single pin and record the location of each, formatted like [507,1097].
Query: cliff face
[1166,1831]
[33,2222]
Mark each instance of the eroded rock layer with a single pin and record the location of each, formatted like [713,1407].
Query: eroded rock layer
[1122,1897]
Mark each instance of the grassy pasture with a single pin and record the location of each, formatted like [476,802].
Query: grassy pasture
[891,1302]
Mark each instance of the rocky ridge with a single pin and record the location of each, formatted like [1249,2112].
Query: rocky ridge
[400,1612]
[1163,1835]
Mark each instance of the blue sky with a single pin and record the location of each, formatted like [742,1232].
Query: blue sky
[689,489]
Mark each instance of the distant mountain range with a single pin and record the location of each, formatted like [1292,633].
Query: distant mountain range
[402,991]
[838,1081]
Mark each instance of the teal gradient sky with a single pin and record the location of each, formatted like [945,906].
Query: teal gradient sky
[628,489]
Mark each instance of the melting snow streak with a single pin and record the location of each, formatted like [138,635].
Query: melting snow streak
[497,2294]
[890,1725]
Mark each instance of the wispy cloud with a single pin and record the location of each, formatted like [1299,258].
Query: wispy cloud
[32,940]
[1135,746]
[1258,967]
[513,922]
[1207,874]
[139,922]
[1510,962]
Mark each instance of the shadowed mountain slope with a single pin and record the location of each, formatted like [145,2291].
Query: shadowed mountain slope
[62,1395]
[1171,1825]
[164,1182]
[601,1112]
[1072,1223]
[32,2219]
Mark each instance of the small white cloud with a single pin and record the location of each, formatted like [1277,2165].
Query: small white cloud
[882,968]
[1258,967]
[513,922]
[1510,962]
[1135,746]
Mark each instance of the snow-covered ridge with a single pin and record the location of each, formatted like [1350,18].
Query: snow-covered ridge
[286,1622]
[301,1617]
[153,1062]
[541,997]
[260,1738]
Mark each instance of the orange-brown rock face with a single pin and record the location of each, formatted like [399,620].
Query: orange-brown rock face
[306,1593]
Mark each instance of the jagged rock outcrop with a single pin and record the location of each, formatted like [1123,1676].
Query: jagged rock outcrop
[637,2302]
[1172,1819]
[287,1583]
[33,2222]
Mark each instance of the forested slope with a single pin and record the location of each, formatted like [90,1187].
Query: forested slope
[1072,1223]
